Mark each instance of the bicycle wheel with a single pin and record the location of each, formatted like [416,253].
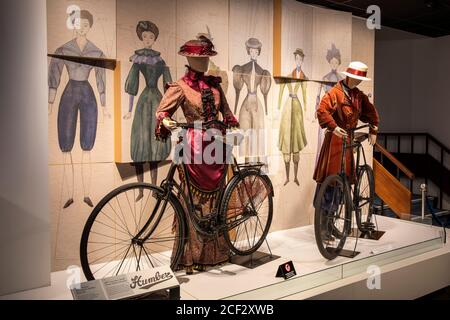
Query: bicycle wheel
[131,229]
[365,195]
[247,209]
[332,218]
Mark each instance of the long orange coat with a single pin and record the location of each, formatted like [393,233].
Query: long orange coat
[337,108]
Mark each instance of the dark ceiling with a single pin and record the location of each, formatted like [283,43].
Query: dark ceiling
[426,17]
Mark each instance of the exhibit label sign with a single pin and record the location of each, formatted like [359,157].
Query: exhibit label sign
[286,270]
[127,286]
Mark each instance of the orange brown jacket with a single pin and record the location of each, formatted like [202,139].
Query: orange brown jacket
[337,108]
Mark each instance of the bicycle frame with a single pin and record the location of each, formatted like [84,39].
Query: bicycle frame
[167,188]
[342,173]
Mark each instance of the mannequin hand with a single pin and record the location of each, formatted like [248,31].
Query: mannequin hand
[127,116]
[341,133]
[169,124]
[106,114]
[372,139]
[50,109]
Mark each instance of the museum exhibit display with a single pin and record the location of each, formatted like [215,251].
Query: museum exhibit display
[239,150]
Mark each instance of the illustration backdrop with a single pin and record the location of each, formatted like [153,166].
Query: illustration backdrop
[233,26]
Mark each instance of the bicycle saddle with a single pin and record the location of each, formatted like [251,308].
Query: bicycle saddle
[360,137]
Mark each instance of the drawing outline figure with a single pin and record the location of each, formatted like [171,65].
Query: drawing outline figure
[78,98]
[292,136]
[148,62]
[252,111]
[333,58]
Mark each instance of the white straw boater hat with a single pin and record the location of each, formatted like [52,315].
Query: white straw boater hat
[357,70]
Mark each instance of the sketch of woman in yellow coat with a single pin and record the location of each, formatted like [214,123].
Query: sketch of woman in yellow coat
[292,137]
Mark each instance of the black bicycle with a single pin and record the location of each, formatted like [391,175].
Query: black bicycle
[139,225]
[334,204]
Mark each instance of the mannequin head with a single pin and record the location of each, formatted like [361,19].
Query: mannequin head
[199,64]
[352,82]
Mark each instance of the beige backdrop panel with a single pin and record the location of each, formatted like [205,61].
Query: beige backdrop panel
[253,19]
[292,202]
[363,49]
[103,35]
[330,27]
[129,13]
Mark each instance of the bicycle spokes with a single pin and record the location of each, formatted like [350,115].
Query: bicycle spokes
[248,214]
[134,229]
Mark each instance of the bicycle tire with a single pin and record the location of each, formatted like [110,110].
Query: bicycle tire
[228,198]
[98,210]
[365,169]
[322,237]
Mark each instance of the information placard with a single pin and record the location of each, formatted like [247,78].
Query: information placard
[127,286]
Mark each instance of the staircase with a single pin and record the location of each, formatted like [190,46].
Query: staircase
[404,161]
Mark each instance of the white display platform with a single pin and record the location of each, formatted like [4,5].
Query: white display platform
[401,240]
[403,244]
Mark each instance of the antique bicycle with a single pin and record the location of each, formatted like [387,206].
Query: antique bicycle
[126,233]
[334,204]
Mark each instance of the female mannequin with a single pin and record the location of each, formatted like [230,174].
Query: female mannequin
[201,99]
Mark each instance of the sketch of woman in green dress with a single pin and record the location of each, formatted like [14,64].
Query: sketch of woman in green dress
[292,137]
[144,145]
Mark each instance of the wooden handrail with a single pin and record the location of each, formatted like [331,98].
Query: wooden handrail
[395,161]
[425,134]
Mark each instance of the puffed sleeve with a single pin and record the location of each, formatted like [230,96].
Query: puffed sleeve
[369,114]
[132,82]
[54,75]
[238,83]
[100,76]
[167,77]
[223,74]
[266,83]
[228,116]
[172,99]
[325,112]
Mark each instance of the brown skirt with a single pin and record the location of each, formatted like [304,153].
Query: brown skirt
[329,162]
[201,252]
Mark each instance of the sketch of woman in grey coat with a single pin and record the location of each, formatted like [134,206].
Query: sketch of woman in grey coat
[251,114]
[148,62]
[334,59]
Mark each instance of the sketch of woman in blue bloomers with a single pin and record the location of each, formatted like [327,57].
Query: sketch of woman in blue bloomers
[78,98]
[144,145]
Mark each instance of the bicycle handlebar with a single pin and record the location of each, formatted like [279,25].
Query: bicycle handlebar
[206,124]
[359,128]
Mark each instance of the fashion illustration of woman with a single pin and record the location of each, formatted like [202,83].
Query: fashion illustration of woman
[148,62]
[78,101]
[334,59]
[251,114]
[292,137]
